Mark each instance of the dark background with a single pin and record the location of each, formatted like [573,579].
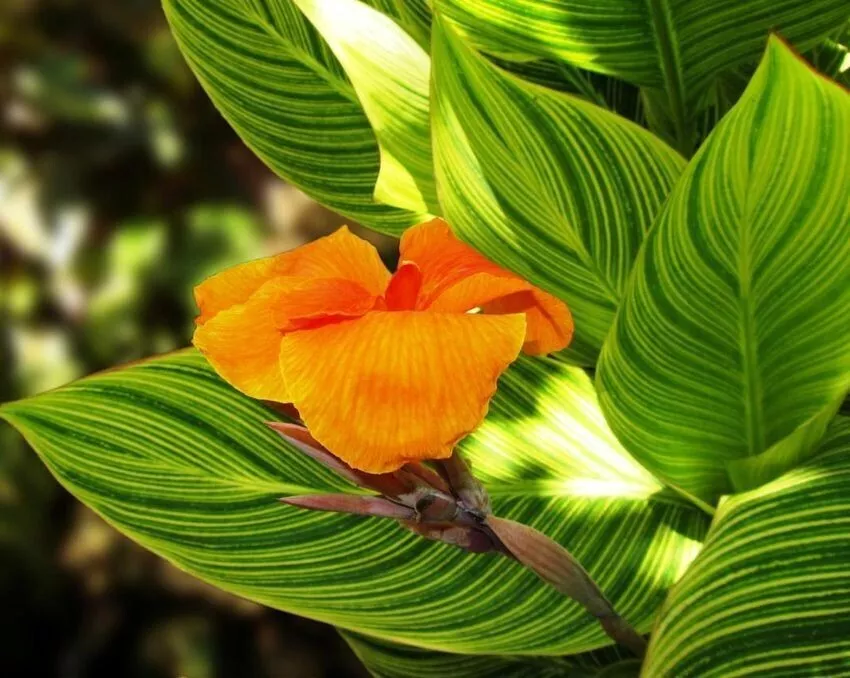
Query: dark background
[120,188]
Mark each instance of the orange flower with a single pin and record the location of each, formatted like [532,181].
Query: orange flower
[383,369]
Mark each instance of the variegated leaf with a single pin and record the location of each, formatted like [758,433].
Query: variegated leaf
[547,184]
[182,463]
[729,355]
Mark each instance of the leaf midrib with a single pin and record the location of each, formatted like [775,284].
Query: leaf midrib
[669,61]
[752,387]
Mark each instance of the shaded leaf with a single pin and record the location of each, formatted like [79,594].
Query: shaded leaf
[831,56]
[617,95]
[390,660]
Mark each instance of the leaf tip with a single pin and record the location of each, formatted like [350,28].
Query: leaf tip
[780,51]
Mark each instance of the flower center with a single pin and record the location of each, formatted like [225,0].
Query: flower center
[403,289]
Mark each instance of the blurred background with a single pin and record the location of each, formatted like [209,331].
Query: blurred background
[120,189]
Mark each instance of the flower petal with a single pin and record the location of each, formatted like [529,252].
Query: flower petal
[243,342]
[443,259]
[403,289]
[549,323]
[394,387]
[457,279]
[301,303]
[232,286]
[339,255]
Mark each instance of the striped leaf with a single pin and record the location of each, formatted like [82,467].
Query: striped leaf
[677,48]
[390,73]
[770,593]
[828,57]
[391,660]
[321,113]
[729,354]
[547,184]
[183,464]
[414,16]
[617,95]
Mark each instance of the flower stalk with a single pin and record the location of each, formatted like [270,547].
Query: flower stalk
[450,505]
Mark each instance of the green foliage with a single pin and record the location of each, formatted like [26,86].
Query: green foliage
[673,50]
[730,353]
[674,174]
[389,72]
[178,460]
[521,170]
[282,88]
[391,660]
[770,593]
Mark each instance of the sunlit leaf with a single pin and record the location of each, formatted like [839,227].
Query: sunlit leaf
[389,72]
[770,593]
[547,184]
[183,464]
[677,49]
[729,354]
[414,16]
[288,95]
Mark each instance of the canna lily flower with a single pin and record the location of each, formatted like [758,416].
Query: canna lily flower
[383,369]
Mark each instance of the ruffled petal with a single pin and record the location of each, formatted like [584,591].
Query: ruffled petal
[301,303]
[339,255]
[549,323]
[443,259]
[457,279]
[393,387]
[242,342]
[234,286]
